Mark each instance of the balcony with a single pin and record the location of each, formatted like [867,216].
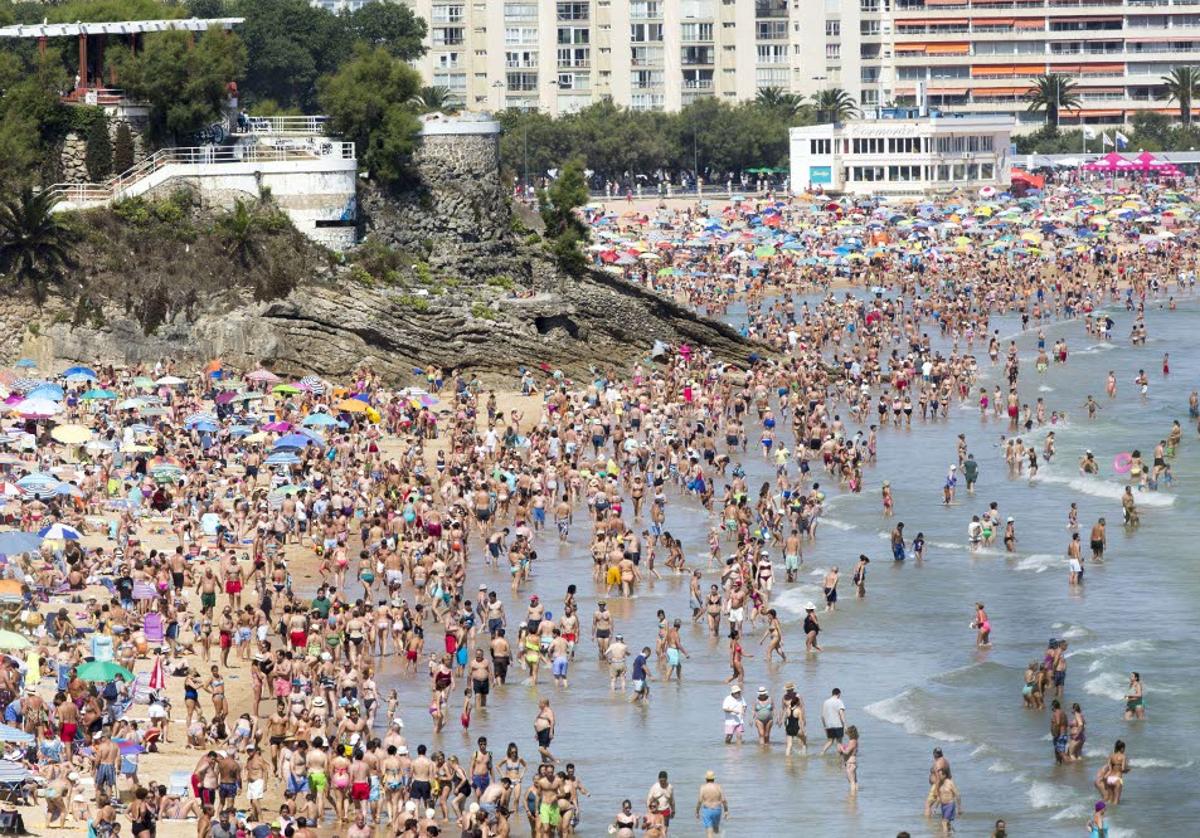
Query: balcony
[770,8]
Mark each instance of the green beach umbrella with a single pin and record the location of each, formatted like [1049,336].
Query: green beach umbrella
[10,640]
[103,671]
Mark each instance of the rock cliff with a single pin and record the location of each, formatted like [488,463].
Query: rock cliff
[473,291]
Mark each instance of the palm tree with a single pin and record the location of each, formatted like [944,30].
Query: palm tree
[1183,86]
[434,98]
[777,100]
[834,105]
[240,228]
[35,243]
[1052,92]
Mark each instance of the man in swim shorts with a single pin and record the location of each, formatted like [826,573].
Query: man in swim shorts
[711,805]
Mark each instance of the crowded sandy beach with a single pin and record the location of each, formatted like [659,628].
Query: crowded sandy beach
[685,597]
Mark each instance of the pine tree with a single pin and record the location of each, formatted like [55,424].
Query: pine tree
[98,156]
[123,149]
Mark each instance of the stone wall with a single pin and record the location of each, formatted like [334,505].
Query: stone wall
[456,213]
[73,156]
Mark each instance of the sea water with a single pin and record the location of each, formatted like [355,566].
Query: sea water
[905,656]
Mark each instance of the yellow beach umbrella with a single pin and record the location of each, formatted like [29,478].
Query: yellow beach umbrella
[352,406]
[71,434]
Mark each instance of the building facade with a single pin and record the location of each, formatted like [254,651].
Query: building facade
[978,56]
[974,56]
[561,55]
[902,156]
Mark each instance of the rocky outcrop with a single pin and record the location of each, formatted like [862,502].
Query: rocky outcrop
[476,292]
[331,329]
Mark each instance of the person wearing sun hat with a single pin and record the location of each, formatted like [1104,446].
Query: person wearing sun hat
[711,805]
[734,707]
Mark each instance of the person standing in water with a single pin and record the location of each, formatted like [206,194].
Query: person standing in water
[1135,703]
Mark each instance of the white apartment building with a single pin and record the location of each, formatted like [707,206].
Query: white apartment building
[975,56]
[561,55]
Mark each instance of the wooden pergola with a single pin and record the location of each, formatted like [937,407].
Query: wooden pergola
[93,38]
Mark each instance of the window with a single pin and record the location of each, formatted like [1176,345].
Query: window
[868,27]
[574,81]
[642,9]
[448,60]
[696,32]
[904,145]
[771,77]
[643,79]
[523,59]
[868,97]
[457,82]
[821,147]
[868,5]
[574,57]
[697,79]
[696,55]
[521,11]
[833,50]
[963,145]
[573,11]
[644,56]
[833,28]
[644,32]
[448,36]
[646,101]
[772,53]
[446,14]
[574,35]
[770,30]
[522,82]
[520,35]
[869,75]
[695,9]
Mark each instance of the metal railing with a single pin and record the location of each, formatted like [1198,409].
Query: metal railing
[95,96]
[116,186]
[266,125]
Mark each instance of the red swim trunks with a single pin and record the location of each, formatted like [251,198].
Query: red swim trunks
[360,791]
[226,640]
[233,586]
[67,731]
[299,639]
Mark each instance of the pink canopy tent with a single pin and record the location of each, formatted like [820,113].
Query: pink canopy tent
[1145,162]
[1111,162]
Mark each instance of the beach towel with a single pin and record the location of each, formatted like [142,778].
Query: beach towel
[152,626]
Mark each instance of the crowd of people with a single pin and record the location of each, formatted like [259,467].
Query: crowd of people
[174,507]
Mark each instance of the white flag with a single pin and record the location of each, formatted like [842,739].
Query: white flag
[1105,142]
[1089,133]
[1121,139]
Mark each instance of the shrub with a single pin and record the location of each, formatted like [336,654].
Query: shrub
[415,302]
[123,152]
[505,282]
[98,154]
[482,311]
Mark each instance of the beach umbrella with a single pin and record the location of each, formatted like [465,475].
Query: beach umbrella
[132,404]
[297,441]
[59,532]
[262,375]
[16,541]
[37,407]
[257,436]
[282,458]
[14,734]
[25,364]
[202,416]
[51,392]
[312,384]
[143,381]
[81,372]
[38,483]
[10,641]
[98,394]
[225,397]
[102,671]
[170,381]
[71,434]
[352,406]
[316,420]
[285,390]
